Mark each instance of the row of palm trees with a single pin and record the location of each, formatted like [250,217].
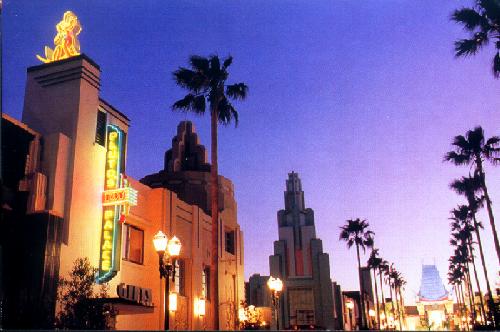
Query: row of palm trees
[356,232]
[472,150]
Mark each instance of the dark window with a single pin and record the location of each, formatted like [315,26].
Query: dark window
[205,283]
[133,244]
[100,131]
[229,236]
[123,152]
[180,277]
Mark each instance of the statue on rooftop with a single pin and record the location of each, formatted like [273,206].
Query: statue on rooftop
[66,41]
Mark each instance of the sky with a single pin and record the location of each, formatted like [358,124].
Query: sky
[362,99]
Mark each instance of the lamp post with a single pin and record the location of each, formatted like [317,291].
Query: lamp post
[276,286]
[350,306]
[167,251]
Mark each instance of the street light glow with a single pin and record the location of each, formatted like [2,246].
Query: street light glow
[160,242]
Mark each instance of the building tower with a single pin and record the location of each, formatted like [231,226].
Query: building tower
[434,302]
[300,262]
[187,173]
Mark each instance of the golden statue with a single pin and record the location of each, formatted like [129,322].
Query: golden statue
[66,41]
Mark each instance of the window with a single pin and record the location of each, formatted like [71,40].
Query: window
[229,240]
[205,283]
[133,244]
[180,276]
[100,131]
[123,152]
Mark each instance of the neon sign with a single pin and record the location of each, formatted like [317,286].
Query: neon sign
[118,196]
[66,41]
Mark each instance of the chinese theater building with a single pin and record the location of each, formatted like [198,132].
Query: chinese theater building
[66,196]
[434,302]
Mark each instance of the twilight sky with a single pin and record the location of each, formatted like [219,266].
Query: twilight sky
[362,99]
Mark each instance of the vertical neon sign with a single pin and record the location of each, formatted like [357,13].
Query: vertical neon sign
[110,231]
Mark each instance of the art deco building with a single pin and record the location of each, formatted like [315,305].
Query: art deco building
[67,196]
[300,262]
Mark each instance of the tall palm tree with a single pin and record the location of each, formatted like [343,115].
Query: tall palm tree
[474,149]
[470,187]
[395,276]
[401,282]
[374,263]
[382,269]
[462,235]
[390,282]
[206,83]
[356,232]
[455,277]
[483,23]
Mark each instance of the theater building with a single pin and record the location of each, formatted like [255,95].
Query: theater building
[67,196]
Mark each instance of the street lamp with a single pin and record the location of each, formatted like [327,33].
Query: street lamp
[276,286]
[350,306]
[167,251]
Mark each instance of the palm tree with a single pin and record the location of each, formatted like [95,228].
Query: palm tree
[374,263]
[389,281]
[206,83]
[469,187]
[473,149]
[356,232]
[483,23]
[382,269]
[395,276]
[400,284]
[462,235]
[455,277]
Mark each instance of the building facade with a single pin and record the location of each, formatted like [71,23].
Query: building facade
[299,260]
[434,302]
[68,197]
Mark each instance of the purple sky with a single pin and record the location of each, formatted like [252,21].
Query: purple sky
[362,99]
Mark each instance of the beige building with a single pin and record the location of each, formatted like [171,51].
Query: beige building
[75,181]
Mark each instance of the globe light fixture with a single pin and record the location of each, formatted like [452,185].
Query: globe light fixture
[172,248]
[276,286]
[160,242]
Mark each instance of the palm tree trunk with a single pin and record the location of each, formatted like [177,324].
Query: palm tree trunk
[392,300]
[479,164]
[464,308]
[383,297]
[214,275]
[481,308]
[491,305]
[361,305]
[403,313]
[471,292]
[398,308]
[376,298]
[460,303]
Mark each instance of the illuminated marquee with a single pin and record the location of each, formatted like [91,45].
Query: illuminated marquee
[66,41]
[119,196]
[117,199]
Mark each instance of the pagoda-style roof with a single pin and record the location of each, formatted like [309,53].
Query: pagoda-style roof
[431,286]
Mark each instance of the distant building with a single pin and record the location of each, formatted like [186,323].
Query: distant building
[258,293]
[300,262]
[434,302]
